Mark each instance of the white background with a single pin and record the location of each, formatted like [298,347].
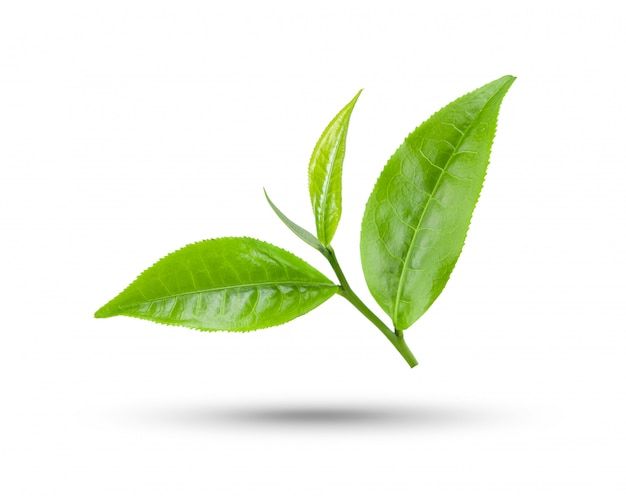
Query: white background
[129,128]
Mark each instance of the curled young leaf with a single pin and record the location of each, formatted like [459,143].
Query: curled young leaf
[231,284]
[418,214]
[301,232]
[325,173]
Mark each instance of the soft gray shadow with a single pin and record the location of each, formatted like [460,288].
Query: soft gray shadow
[324,416]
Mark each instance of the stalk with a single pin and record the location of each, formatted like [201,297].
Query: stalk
[396,338]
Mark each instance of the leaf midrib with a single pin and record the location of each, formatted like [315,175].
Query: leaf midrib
[326,183]
[223,288]
[442,173]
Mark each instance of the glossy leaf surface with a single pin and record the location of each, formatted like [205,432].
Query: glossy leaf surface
[301,232]
[418,214]
[233,284]
[325,170]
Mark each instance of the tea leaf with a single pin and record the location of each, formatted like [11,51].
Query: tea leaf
[233,284]
[301,232]
[325,174]
[418,214]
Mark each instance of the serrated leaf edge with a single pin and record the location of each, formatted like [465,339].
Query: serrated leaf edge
[329,284]
[433,115]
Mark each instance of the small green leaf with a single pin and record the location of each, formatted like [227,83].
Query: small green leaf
[417,217]
[325,173]
[301,232]
[232,284]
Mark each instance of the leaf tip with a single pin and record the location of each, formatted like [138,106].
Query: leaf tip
[104,312]
[508,80]
[269,201]
[352,102]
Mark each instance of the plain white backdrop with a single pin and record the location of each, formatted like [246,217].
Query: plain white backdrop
[130,128]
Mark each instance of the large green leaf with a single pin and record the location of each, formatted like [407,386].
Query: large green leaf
[325,174]
[417,217]
[233,284]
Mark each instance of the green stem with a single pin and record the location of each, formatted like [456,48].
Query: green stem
[396,338]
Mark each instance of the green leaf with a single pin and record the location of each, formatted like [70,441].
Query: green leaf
[417,217]
[301,232]
[325,174]
[232,284]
